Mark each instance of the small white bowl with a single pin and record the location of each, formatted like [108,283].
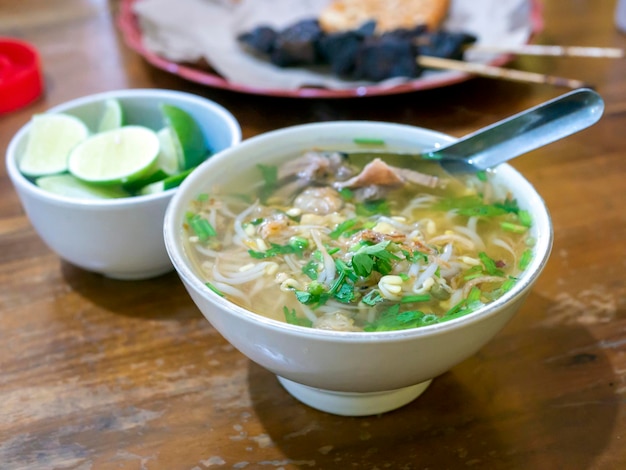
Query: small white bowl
[348,373]
[120,238]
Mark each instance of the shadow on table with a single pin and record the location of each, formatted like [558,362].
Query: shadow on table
[539,398]
[162,297]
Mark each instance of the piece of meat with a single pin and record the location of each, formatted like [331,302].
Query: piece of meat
[375,172]
[320,201]
[379,173]
[314,166]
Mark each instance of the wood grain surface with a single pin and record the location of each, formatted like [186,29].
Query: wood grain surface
[104,374]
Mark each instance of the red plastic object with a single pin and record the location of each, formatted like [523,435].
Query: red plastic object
[21,80]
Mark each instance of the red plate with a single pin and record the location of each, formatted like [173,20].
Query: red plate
[131,32]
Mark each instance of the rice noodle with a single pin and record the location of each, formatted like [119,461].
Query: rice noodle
[480,280]
[239,277]
[293,264]
[310,314]
[451,237]
[503,244]
[480,245]
[228,289]
[447,252]
[206,251]
[426,274]
[327,276]
[238,223]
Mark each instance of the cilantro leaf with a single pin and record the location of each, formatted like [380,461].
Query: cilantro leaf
[372,298]
[310,269]
[369,208]
[292,318]
[376,257]
[342,227]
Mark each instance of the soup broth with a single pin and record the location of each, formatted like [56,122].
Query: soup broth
[333,242]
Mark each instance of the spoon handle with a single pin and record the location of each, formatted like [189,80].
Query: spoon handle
[523,132]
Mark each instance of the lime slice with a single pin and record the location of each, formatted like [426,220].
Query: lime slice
[50,139]
[116,156]
[165,184]
[70,186]
[112,116]
[189,136]
[134,186]
[170,153]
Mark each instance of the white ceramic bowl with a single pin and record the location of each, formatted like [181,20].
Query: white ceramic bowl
[348,373]
[120,238]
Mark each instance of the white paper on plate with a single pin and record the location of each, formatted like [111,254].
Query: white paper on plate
[188,30]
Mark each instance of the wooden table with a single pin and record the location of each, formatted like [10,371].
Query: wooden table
[98,374]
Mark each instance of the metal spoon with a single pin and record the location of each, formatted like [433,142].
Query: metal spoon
[516,135]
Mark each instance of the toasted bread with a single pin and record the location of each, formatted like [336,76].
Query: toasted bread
[344,15]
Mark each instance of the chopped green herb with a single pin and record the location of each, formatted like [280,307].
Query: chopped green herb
[393,319]
[298,244]
[332,251]
[368,141]
[514,228]
[315,295]
[310,269]
[474,294]
[473,273]
[508,285]
[316,288]
[373,258]
[346,194]
[462,308]
[342,227]
[372,298]
[481,175]
[214,289]
[489,264]
[525,218]
[407,299]
[201,227]
[345,293]
[304,297]
[369,208]
[483,210]
[292,318]
[415,256]
[526,258]
[275,250]
[508,205]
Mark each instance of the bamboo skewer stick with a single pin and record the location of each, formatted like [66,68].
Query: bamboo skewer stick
[559,51]
[497,72]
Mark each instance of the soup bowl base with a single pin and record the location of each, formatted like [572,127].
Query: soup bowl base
[353,403]
[137,275]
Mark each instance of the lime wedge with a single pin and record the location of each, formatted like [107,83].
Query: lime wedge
[50,139]
[189,136]
[70,186]
[112,116]
[165,184]
[170,153]
[134,186]
[116,156]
